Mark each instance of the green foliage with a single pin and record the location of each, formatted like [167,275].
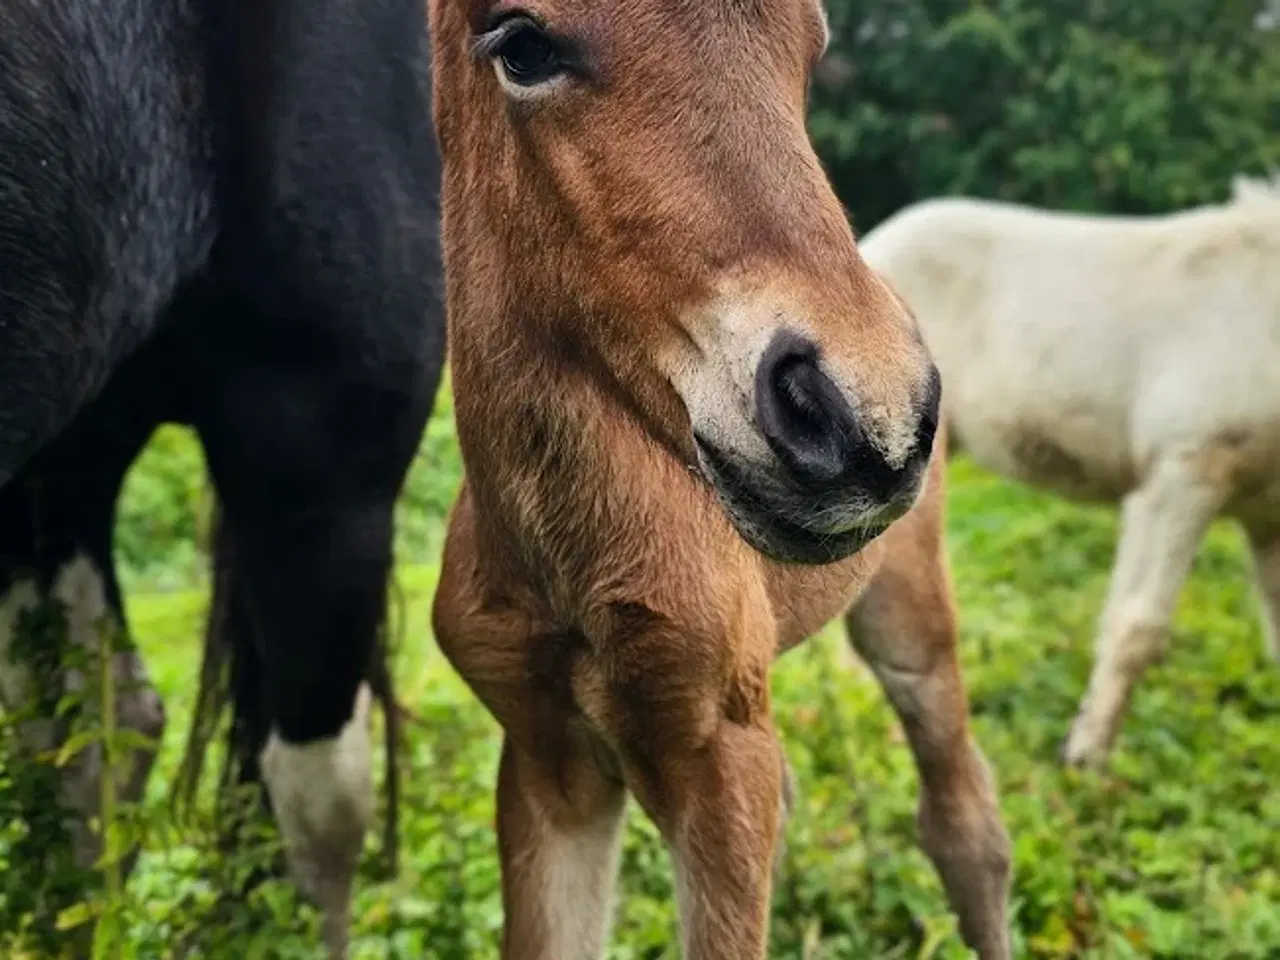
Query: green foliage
[161,522]
[49,905]
[1079,104]
[41,879]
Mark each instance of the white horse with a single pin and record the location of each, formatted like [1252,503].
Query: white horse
[1113,359]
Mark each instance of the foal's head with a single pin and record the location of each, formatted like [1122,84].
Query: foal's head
[630,187]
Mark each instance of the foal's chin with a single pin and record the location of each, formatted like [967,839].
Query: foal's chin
[784,542]
[788,526]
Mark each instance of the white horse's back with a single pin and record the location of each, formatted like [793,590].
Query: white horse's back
[1072,346]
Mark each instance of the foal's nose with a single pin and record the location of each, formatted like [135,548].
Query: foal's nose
[813,431]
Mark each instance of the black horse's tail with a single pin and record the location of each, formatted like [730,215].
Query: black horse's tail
[229,703]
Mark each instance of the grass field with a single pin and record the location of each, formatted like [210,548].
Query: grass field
[1174,853]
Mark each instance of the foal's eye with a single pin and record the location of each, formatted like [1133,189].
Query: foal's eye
[529,57]
[524,53]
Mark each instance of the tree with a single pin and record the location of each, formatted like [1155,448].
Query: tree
[1079,104]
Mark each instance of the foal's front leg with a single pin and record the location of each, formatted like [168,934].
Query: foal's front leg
[1163,522]
[690,714]
[581,718]
[560,798]
[904,627]
[560,819]
[719,804]
[717,800]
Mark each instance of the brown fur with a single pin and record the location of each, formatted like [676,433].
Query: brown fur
[593,593]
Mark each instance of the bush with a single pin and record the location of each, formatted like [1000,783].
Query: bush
[1079,104]
[162,518]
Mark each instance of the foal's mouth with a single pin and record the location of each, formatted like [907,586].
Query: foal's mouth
[780,522]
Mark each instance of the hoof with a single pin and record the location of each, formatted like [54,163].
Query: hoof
[1077,754]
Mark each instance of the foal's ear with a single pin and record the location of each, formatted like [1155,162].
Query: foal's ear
[1252,189]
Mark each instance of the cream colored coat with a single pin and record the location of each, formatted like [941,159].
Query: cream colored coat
[1115,359]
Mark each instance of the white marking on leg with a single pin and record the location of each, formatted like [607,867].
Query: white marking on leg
[322,793]
[559,831]
[1162,525]
[22,598]
[581,867]
[80,588]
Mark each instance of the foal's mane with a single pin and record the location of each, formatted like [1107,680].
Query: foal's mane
[1252,191]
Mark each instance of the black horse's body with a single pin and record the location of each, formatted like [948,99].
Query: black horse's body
[223,213]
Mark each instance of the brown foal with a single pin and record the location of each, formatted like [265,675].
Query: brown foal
[696,427]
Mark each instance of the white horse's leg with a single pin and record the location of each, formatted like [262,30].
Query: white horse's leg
[1162,524]
[1265,546]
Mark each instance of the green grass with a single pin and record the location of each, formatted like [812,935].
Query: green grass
[1174,853]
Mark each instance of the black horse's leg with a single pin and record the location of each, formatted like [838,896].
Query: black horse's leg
[322,380]
[62,605]
[308,462]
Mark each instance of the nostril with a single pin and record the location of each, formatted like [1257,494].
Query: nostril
[802,414]
[795,384]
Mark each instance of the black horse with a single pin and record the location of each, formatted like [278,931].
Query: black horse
[221,213]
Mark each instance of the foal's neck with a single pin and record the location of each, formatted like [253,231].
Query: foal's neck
[561,450]
[533,378]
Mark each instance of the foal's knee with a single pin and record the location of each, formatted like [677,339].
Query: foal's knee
[977,852]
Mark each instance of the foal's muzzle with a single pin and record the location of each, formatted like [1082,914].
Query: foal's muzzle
[829,487]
